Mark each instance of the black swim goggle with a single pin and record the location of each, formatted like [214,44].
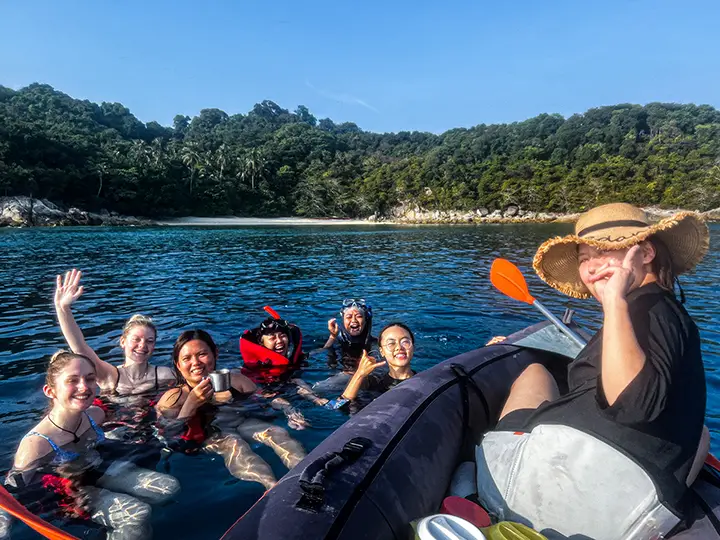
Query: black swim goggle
[272,325]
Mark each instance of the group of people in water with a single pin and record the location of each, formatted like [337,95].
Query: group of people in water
[634,408]
[63,452]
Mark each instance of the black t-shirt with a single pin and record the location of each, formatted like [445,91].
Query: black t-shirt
[380,382]
[658,419]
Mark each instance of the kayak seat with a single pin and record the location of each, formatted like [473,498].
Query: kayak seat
[699,461]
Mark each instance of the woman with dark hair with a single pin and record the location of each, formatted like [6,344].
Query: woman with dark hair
[350,338]
[397,346]
[196,403]
[613,457]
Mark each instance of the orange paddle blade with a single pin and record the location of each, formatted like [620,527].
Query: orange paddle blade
[14,508]
[508,279]
[272,312]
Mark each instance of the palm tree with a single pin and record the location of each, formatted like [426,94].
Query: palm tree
[192,159]
[253,166]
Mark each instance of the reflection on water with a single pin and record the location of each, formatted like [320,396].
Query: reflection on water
[433,278]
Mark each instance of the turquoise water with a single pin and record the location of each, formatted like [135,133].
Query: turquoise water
[433,278]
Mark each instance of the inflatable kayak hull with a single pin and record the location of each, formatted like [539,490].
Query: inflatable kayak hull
[405,447]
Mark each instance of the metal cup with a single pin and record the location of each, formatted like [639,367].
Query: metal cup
[220,380]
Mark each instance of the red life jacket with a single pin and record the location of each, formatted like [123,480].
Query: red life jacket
[263,365]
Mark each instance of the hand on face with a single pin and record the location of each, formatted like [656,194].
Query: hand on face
[67,288]
[613,281]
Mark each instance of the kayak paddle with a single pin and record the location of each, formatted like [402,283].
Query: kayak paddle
[14,508]
[508,279]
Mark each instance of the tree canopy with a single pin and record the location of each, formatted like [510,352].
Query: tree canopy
[272,162]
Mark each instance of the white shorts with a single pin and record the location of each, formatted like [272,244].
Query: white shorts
[563,482]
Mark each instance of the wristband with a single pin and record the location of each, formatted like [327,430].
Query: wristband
[336,403]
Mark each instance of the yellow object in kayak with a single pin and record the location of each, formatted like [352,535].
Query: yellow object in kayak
[508,530]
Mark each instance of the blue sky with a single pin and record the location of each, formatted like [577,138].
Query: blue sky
[386,65]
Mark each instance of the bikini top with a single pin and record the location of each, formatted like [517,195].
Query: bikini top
[117,381]
[65,456]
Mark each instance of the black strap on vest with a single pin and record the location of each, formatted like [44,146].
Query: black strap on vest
[610,224]
[312,479]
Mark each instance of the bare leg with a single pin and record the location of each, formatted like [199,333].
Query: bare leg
[305,391]
[534,386]
[241,461]
[126,517]
[288,449]
[149,486]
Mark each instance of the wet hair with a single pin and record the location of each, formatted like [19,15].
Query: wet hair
[186,337]
[401,325]
[662,265]
[138,320]
[59,361]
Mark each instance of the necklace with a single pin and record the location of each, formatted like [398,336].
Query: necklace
[73,433]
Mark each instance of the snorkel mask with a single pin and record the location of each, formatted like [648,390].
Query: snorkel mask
[361,305]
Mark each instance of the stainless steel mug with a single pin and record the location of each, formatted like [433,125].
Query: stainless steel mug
[220,380]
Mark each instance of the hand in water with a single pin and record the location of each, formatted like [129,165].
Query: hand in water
[295,418]
[368,364]
[496,340]
[620,279]
[67,289]
[333,327]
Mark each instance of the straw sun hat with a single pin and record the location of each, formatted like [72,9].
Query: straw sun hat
[619,226]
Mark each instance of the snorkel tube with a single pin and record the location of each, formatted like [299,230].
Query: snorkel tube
[364,338]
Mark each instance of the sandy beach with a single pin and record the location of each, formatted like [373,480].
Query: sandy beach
[244,222]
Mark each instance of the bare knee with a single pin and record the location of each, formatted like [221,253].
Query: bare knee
[533,375]
[534,386]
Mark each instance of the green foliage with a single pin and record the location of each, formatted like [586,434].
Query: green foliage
[275,162]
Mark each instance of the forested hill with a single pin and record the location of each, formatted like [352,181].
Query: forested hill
[274,162]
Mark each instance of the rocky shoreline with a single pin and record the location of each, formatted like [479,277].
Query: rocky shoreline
[413,214]
[30,212]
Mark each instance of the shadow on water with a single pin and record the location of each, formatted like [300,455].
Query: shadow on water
[433,278]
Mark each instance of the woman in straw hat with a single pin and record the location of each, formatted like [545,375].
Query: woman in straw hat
[612,457]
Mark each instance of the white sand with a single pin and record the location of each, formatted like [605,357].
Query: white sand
[243,222]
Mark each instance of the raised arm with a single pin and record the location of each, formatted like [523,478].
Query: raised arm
[66,292]
[366,366]
[622,356]
[334,330]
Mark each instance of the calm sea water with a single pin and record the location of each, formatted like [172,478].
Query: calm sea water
[433,278]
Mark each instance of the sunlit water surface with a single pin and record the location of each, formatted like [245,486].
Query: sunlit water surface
[433,278]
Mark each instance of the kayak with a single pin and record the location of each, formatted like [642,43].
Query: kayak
[392,463]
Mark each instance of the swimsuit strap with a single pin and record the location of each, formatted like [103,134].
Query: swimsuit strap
[61,456]
[98,432]
[157,384]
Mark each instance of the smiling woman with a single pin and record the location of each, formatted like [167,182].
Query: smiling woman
[136,375]
[60,454]
[197,405]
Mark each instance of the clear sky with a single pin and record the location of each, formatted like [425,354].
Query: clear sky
[388,65]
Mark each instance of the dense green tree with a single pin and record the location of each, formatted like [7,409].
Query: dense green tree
[275,162]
